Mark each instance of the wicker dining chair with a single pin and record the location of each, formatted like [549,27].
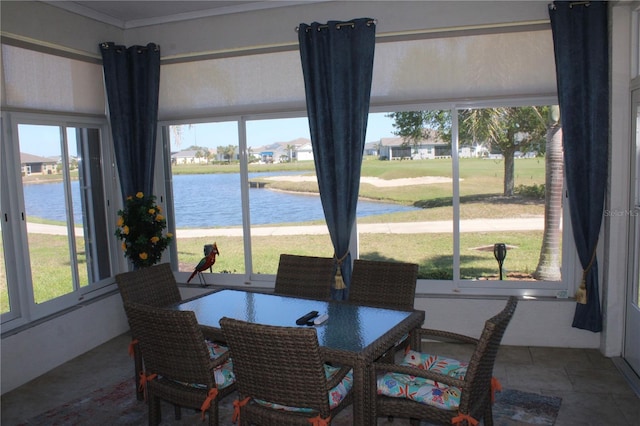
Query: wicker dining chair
[280,370]
[153,286]
[305,276]
[179,365]
[383,284]
[442,390]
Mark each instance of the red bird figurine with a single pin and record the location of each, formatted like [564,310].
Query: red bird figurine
[205,263]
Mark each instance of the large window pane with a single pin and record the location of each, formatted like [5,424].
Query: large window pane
[494,184]
[63,191]
[43,187]
[412,176]
[88,198]
[502,194]
[206,191]
[285,208]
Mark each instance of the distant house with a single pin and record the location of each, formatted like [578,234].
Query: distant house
[32,164]
[266,157]
[304,152]
[371,149]
[278,152]
[189,156]
[398,148]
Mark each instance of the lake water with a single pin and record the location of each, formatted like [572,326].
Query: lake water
[209,200]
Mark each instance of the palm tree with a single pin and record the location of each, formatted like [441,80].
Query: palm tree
[506,130]
[178,133]
[291,149]
[549,261]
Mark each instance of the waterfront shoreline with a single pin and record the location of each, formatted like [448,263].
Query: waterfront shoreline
[431,227]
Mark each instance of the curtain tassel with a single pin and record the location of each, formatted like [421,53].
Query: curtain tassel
[339,285]
[581,293]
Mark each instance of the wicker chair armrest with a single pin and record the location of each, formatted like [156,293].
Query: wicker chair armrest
[337,377]
[212,334]
[418,372]
[215,363]
[421,333]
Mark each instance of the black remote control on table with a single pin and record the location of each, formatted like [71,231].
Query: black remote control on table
[307,319]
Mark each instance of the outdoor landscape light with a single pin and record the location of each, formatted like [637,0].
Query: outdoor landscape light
[500,252]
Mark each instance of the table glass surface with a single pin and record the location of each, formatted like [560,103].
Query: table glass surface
[349,327]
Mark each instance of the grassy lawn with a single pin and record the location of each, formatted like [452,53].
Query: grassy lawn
[480,194]
[433,252]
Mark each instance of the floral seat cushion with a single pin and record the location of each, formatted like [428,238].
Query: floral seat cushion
[223,375]
[423,390]
[448,366]
[336,394]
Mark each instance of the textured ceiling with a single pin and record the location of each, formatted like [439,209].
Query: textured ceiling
[130,14]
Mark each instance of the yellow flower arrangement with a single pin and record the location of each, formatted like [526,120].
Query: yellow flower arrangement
[140,226]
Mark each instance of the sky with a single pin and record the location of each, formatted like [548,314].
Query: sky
[265,132]
[44,141]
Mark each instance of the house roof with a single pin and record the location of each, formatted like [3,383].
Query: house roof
[30,158]
[189,153]
[282,146]
[433,138]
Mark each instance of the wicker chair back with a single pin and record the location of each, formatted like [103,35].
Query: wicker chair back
[153,286]
[280,365]
[174,349]
[305,276]
[383,284]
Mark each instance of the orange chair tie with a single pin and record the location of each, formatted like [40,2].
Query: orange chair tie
[457,420]
[495,387]
[236,408]
[213,393]
[319,421]
[132,345]
[143,382]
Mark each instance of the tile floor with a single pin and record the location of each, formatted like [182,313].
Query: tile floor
[593,391]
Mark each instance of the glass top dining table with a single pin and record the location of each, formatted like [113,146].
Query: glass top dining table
[353,334]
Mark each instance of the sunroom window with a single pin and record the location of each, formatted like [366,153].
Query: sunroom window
[59,221]
[478,177]
[442,199]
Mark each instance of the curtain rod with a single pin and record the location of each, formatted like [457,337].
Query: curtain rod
[340,25]
[571,4]
[140,48]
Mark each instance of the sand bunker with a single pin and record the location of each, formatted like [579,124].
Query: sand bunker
[381,183]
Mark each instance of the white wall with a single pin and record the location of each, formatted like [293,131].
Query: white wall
[535,323]
[36,350]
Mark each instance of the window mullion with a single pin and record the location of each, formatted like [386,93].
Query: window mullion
[456,197]
[244,197]
[71,231]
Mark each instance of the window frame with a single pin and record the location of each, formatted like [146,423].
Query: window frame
[561,289]
[23,308]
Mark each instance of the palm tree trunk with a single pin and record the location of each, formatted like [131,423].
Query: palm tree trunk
[549,262]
